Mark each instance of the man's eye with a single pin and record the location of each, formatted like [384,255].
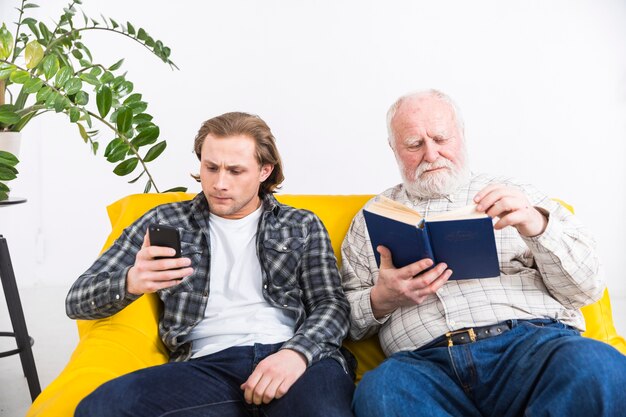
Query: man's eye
[211,169]
[441,139]
[235,172]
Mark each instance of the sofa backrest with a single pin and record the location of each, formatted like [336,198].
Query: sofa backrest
[336,212]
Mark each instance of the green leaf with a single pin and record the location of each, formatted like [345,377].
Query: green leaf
[95,71]
[8,117]
[114,23]
[142,118]
[73,86]
[142,35]
[50,66]
[32,86]
[5,189]
[94,147]
[115,143]
[6,42]
[91,79]
[30,5]
[131,29]
[3,195]
[135,180]
[77,54]
[81,98]
[19,77]
[5,71]
[147,187]
[146,136]
[125,88]
[74,114]
[33,54]
[138,106]
[132,98]
[7,173]
[124,119]
[118,153]
[60,103]
[126,167]
[43,94]
[116,65]
[155,151]
[176,190]
[83,132]
[107,77]
[45,32]
[8,159]
[104,100]
[63,75]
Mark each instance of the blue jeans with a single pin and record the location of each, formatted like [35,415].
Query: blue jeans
[209,387]
[538,368]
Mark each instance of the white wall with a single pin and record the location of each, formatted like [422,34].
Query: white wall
[542,86]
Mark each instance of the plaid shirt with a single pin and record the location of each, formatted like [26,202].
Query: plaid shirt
[298,266]
[548,276]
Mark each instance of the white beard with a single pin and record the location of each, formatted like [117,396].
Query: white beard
[436,184]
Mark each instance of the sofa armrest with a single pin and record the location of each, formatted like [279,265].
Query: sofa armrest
[107,348]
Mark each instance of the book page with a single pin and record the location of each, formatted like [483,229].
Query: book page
[467,212]
[392,209]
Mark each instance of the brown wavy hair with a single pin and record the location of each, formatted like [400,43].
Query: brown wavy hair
[238,123]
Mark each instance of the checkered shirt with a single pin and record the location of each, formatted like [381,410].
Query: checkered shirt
[298,265]
[548,276]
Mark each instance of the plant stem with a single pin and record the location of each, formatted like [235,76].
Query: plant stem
[2,88]
[17,32]
[52,44]
[125,139]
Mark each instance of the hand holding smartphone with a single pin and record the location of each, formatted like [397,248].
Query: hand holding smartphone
[166,236]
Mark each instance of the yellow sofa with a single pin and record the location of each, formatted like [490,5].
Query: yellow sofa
[129,340]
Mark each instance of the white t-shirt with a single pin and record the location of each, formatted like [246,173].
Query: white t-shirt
[236,313]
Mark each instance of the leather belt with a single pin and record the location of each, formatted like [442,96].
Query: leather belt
[470,334]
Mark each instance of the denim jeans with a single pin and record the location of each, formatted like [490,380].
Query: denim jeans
[538,368]
[209,387]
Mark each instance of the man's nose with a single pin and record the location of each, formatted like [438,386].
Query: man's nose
[431,152]
[221,182]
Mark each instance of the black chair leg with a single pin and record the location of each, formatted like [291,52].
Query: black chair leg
[23,340]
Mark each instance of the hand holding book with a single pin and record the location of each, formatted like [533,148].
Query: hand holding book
[463,239]
[406,286]
[512,208]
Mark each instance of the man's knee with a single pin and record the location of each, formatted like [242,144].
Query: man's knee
[375,391]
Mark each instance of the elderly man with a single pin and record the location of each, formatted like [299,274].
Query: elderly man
[528,357]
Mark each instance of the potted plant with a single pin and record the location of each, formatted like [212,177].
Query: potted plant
[50,69]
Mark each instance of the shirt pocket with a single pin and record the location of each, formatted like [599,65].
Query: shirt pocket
[283,257]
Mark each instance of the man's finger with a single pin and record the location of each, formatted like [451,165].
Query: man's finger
[385,258]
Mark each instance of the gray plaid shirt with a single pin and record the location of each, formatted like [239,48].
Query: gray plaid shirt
[299,275]
[548,276]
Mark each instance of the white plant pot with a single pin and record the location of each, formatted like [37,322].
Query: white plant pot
[10,142]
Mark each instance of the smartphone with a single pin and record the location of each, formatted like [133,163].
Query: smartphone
[161,235]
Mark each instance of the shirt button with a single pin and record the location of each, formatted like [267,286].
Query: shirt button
[117,296]
[284,247]
[93,303]
[451,323]
[265,286]
[285,305]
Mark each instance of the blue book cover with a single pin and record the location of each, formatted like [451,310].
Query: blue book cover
[467,246]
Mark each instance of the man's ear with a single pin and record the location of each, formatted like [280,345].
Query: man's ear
[266,170]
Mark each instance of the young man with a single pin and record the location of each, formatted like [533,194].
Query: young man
[254,314]
[502,346]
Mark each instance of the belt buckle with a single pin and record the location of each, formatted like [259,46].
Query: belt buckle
[470,332]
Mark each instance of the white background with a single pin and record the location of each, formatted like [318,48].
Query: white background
[541,85]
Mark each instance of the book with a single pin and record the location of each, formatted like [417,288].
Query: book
[462,238]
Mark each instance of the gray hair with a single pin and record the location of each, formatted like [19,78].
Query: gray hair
[423,93]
